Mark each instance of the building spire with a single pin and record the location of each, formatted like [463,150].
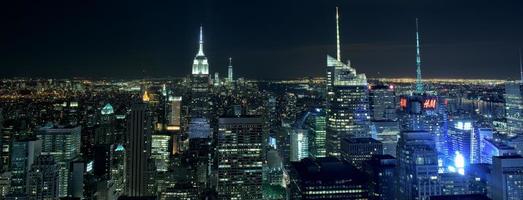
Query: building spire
[520,66]
[338,54]
[200,50]
[419,83]
[229,70]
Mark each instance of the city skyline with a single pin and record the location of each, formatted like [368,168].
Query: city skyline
[89,40]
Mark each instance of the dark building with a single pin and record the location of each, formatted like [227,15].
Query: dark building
[460,197]
[43,179]
[382,177]
[327,178]
[358,150]
[138,148]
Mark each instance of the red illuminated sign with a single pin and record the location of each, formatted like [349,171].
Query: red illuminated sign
[403,103]
[429,104]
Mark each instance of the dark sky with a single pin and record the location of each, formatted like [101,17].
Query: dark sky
[270,39]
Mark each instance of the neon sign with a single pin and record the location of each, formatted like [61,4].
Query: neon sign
[429,104]
[403,103]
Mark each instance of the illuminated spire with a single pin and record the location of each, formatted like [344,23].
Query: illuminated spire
[200,63]
[419,83]
[229,77]
[520,66]
[145,97]
[200,50]
[338,54]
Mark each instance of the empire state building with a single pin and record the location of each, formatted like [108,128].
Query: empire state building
[200,64]
[200,83]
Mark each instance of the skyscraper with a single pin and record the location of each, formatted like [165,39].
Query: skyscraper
[514,107]
[417,166]
[357,151]
[138,150]
[200,63]
[316,123]
[240,157]
[230,77]
[347,101]
[419,83]
[63,143]
[200,83]
[382,173]
[507,177]
[43,178]
[382,101]
[299,144]
[326,178]
[23,155]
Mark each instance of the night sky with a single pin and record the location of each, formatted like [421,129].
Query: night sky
[269,39]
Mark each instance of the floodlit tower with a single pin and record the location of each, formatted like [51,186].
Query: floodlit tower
[200,63]
[419,83]
[230,77]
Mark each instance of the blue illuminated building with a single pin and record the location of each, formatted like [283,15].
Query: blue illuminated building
[495,148]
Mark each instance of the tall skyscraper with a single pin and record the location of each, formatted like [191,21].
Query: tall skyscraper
[417,166]
[160,151]
[317,132]
[200,63]
[507,177]
[514,107]
[240,157]
[43,178]
[347,101]
[230,77]
[461,138]
[138,149]
[105,132]
[419,83]
[299,144]
[63,143]
[200,83]
[23,155]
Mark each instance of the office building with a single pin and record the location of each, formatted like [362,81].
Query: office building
[43,178]
[359,150]
[417,166]
[382,176]
[507,177]
[388,133]
[240,158]
[299,144]
[63,143]
[138,150]
[382,102]
[315,123]
[495,148]
[326,178]
[161,151]
[200,83]
[23,155]
[514,107]
[347,101]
